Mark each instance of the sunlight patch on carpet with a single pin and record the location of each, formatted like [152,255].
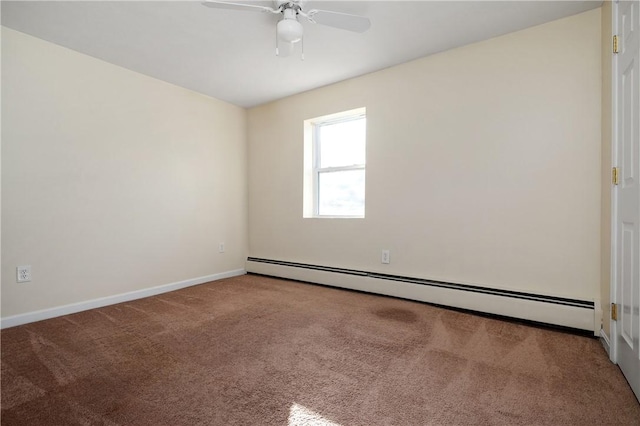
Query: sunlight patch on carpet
[302,416]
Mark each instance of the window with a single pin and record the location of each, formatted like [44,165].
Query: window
[335,165]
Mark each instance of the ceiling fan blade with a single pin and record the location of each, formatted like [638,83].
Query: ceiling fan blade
[345,21]
[237,6]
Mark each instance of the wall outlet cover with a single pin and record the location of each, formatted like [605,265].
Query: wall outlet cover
[23,273]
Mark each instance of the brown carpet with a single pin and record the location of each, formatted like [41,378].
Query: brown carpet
[258,351]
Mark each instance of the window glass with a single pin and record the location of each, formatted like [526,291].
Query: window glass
[341,193]
[342,143]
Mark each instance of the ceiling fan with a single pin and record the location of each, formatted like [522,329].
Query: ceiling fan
[289,30]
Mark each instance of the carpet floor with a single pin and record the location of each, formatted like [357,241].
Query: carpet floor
[252,350]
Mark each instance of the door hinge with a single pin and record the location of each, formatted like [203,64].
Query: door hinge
[614,175]
[615,44]
[614,312]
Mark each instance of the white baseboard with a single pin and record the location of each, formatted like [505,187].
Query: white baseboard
[34,316]
[532,310]
[604,339]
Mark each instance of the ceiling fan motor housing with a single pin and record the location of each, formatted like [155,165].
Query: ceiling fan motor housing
[289,4]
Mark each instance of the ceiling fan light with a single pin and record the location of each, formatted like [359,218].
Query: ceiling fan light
[290,30]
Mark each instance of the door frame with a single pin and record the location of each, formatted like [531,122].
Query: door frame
[613,276]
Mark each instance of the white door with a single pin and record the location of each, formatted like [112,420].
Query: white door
[627,73]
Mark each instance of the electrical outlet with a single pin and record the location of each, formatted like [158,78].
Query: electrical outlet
[386,256]
[221,248]
[23,273]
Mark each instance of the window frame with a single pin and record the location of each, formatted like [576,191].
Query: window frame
[317,170]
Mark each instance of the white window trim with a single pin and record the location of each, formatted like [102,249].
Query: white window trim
[313,170]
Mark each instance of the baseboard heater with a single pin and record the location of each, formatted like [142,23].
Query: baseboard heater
[560,311]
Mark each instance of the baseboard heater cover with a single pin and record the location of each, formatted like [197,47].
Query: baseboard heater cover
[561,311]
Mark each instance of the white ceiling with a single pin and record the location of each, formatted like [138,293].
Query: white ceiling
[230,54]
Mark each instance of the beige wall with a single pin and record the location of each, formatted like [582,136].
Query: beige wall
[483,166]
[112,181]
[605,280]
